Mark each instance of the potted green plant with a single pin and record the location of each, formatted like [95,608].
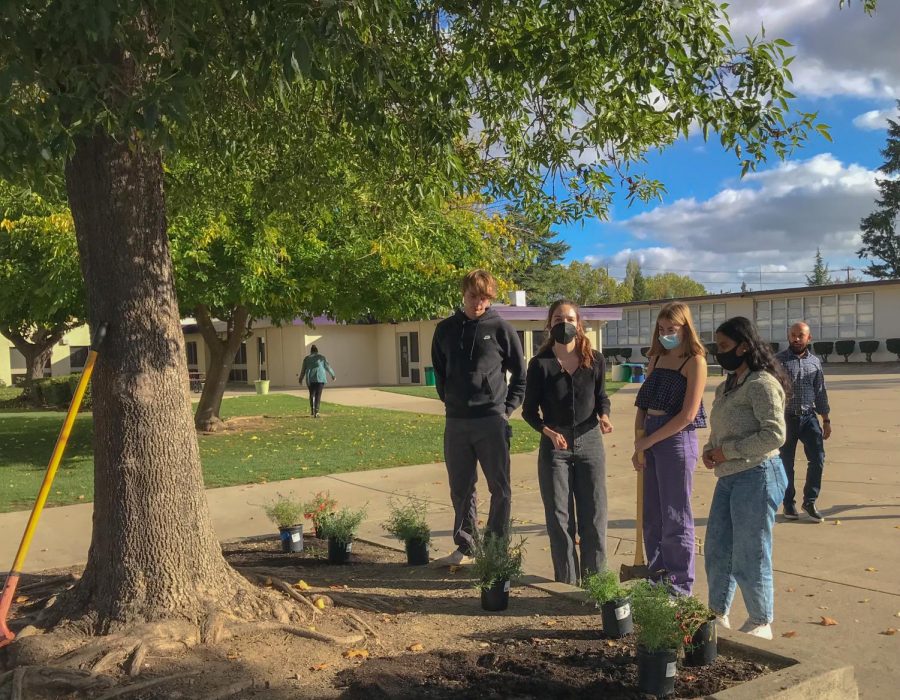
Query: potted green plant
[407,522]
[339,528]
[316,507]
[287,514]
[611,597]
[496,563]
[698,625]
[659,636]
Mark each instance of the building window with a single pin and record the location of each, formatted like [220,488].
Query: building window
[537,339]
[636,326]
[829,316]
[190,349]
[78,357]
[414,349]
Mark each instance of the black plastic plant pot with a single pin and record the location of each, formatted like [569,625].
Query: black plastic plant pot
[656,671]
[616,616]
[291,538]
[339,552]
[495,598]
[416,552]
[703,648]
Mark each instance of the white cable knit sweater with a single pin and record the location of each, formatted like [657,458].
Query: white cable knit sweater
[747,422]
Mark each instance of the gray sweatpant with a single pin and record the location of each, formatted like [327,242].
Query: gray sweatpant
[468,441]
[573,489]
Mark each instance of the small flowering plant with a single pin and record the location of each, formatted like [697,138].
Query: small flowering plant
[691,615]
[319,505]
[655,607]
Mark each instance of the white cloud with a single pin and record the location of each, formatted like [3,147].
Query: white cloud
[838,52]
[875,119]
[772,220]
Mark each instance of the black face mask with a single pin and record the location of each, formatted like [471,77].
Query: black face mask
[730,361]
[564,333]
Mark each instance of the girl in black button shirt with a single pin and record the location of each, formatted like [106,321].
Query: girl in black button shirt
[566,401]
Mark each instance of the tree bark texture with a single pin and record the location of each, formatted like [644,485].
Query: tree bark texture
[221,352]
[154,554]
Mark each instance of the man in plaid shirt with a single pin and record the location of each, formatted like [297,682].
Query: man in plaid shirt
[808,398]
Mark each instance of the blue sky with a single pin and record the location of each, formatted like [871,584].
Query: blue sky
[720,229]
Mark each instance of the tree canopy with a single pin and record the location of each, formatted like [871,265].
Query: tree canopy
[880,238]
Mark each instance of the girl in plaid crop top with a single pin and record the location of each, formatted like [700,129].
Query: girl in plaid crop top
[664,390]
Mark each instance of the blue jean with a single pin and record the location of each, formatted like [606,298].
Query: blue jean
[739,539]
[807,430]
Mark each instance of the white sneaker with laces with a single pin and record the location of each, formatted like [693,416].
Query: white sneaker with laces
[456,558]
[761,631]
[723,621]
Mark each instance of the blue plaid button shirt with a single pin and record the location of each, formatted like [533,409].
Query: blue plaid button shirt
[808,383]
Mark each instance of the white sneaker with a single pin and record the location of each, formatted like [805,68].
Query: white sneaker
[723,621]
[456,558]
[761,631]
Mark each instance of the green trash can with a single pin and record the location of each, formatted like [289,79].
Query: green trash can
[429,376]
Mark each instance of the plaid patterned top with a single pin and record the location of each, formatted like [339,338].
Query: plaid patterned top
[808,383]
[664,390]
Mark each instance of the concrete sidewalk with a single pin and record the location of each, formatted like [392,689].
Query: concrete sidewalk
[846,568]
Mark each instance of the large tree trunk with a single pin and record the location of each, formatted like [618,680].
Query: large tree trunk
[36,352]
[153,553]
[222,354]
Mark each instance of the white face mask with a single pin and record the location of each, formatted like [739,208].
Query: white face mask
[670,342]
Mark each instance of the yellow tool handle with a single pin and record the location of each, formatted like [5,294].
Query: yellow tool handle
[639,515]
[55,459]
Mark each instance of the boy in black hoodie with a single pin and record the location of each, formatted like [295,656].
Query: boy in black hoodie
[471,353]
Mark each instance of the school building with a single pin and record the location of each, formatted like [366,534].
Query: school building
[398,353]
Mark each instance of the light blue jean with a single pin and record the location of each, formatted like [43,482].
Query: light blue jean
[738,547]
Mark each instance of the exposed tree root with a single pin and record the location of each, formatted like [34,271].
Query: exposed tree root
[126,689]
[299,632]
[363,627]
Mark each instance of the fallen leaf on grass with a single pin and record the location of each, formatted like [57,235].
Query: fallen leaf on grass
[790,635]
[301,585]
[319,667]
[549,623]
[871,568]
[320,603]
[22,599]
[836,522]
[415,647]
[864,600]
[890,632]
[232,657]
[828,621]
[484,645]
[356,654]
[689,678]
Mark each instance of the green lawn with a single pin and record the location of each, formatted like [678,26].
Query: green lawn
[425,392]
[290,444]
[429,392]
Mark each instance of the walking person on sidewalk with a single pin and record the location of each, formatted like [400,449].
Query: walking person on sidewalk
[566,401]
[808,398]
[670,409]
[747,428]
[314,368]
[471,353]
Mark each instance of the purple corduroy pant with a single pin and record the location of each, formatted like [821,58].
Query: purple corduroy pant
[668,519]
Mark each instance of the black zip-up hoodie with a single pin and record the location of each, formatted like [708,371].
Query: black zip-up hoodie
[470,359]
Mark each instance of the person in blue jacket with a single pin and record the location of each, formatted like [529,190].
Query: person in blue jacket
[314,369]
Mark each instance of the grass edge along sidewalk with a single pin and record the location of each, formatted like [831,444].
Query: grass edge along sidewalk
[273,438]
[429,392]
